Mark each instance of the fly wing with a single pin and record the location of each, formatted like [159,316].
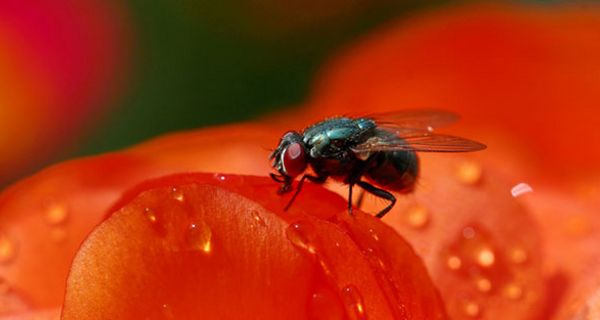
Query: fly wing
[426,119]
[416,140]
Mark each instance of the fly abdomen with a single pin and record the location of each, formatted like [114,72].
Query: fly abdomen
[394,170]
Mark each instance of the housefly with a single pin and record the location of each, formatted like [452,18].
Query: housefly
[377,153]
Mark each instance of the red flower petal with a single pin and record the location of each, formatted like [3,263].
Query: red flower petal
[44,219]
[527,71]
[196,245]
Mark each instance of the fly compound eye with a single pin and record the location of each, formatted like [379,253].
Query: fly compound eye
[293,160]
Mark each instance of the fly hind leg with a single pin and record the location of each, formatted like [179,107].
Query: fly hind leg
[379,193]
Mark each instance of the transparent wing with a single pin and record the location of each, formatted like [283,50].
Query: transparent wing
[426,119]
[417,140]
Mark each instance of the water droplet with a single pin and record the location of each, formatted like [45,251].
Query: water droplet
[150,215]
[199,237]
[325,304]
[469,172]
[520,189]
[56,213]
[256,216]
[220,177]
[513,291]
[374,234]
[353,301]
[177,195]
[483,284]
[518,255]
[417,216]
[468,233]
[486,257]
[8,249]
[301,234]
[167,311]
[471,309]
[454,263]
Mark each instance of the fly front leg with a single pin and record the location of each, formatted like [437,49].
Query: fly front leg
[379,193]
[315,179]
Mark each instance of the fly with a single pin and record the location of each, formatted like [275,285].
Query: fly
[378,153]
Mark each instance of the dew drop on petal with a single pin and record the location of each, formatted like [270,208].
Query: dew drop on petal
[513,291]
[353,302]
[471,309]
[468,233]
[8,249]
[469,172]
[454,262]
[520,189]
[483,284]
[374,234]
[167,311]
[518,255]
[486,257]
[257,218]
[324,304]
[150,215]
[198,237]
[177,194]
[417,216]
[56,213]
[301,234]
[220,177]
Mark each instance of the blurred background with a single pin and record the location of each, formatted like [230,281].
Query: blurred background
[80,77]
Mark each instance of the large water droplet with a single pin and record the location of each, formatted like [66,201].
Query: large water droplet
[471,309]
[257,218]
[417,216]
[8,249]
[353,302]
[520,189]
[302,234]
[177,194]
[56,213]
[199,237]
[469,172]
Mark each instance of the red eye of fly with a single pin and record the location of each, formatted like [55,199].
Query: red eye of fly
[293,159]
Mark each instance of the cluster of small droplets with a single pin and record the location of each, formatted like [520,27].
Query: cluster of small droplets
[474,256]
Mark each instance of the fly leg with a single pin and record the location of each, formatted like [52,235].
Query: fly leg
[315,179]
[379,193]
[361,197]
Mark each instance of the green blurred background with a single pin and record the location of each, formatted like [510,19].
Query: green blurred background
[200,63]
